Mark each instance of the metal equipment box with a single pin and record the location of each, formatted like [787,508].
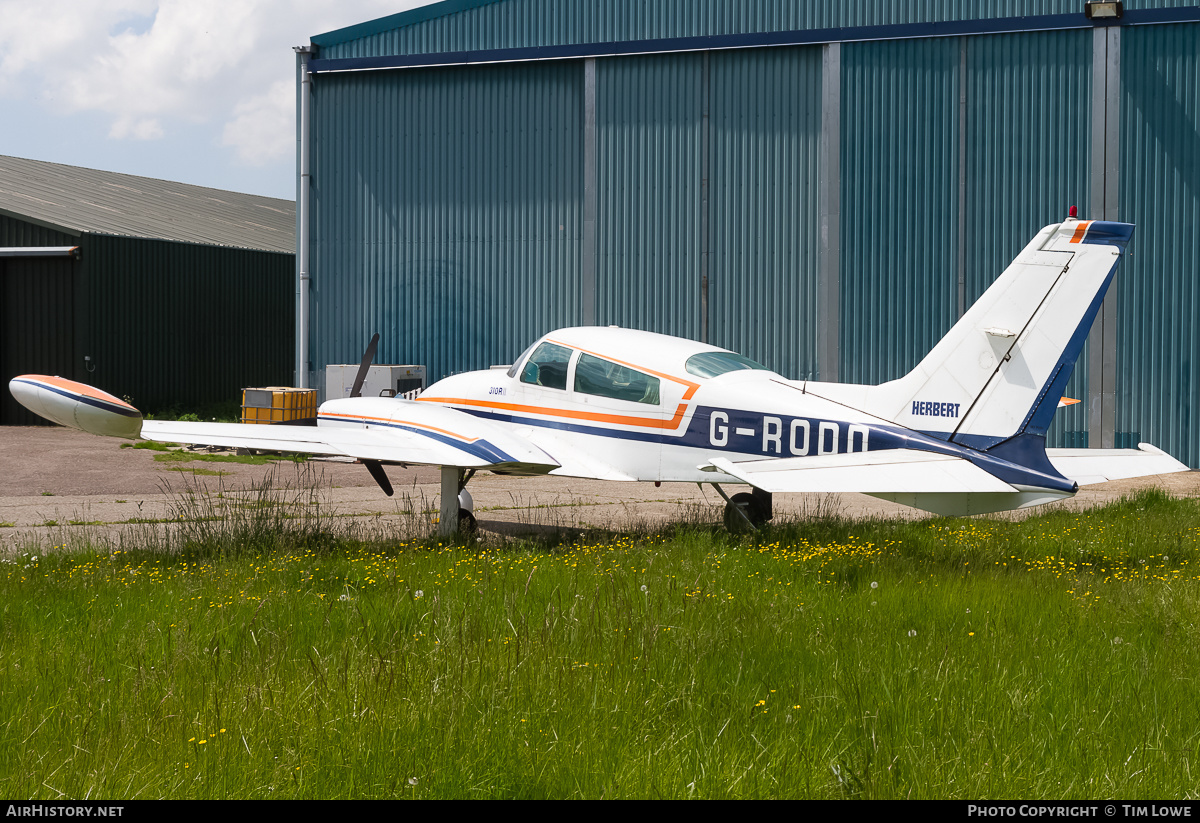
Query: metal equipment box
[382,381]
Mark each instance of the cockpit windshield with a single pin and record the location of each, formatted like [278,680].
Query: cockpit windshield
[512,370]
[714,363]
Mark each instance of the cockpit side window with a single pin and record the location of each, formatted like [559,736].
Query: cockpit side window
[547,366]
[606,379]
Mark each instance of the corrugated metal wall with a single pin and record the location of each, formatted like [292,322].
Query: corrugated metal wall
[899,203]
[14,232]
[167,322]
[765,129]
[447,213]
[520,23]
[1028,159]
[1158,331]
[648,120]
[460,208]
[37,325]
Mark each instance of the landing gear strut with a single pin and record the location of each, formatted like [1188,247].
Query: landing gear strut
[746,511]
[456,516]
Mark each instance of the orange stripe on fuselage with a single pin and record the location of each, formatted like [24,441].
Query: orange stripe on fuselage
[1080,231]
[617,419]
[78,388]
[403,423]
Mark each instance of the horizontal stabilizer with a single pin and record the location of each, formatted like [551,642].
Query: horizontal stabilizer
[866,472]
[1090,466]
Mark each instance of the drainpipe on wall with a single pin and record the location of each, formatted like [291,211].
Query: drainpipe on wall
[303,189]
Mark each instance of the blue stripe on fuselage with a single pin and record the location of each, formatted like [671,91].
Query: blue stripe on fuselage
[715,430]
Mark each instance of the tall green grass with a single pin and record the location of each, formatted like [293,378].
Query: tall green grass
[259,650]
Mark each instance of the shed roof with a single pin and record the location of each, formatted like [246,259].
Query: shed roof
[76,199]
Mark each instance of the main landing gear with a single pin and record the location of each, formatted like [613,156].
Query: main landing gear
[746,511]
[456,515]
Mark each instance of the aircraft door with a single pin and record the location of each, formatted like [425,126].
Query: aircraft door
[625,406]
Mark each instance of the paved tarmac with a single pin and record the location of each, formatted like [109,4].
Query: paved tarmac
[60,486]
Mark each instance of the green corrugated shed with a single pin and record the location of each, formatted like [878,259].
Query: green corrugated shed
[170,294]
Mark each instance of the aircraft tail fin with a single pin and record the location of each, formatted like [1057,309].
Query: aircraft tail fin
[996,378]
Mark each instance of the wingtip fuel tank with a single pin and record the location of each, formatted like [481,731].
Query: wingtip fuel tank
[76,405]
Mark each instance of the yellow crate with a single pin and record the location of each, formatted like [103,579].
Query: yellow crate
[278,404]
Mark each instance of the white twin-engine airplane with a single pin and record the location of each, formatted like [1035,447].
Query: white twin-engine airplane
[962,433]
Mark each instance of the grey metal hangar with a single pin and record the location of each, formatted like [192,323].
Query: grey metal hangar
[824,187]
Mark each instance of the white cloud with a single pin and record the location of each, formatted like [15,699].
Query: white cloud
[160,66]
[263,128]
[146,128]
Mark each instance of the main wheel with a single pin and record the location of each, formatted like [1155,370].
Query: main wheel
[466,522]
[750,507]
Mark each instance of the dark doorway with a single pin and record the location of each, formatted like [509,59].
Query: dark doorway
[37,326]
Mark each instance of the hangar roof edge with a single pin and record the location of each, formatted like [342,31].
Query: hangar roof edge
[465,27]
[397,21]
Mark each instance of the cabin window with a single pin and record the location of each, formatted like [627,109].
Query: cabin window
[547,366]
[606,379]
[714,363]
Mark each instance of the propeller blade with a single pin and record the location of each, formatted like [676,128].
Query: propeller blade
[373,466]
[368,358]
[376,470]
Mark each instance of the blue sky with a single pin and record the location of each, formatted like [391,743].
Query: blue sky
[199,92]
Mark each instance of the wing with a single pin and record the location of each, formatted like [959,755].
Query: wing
[389,430]
[1090,466]
[867,472]
[383,429]
[391,446]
